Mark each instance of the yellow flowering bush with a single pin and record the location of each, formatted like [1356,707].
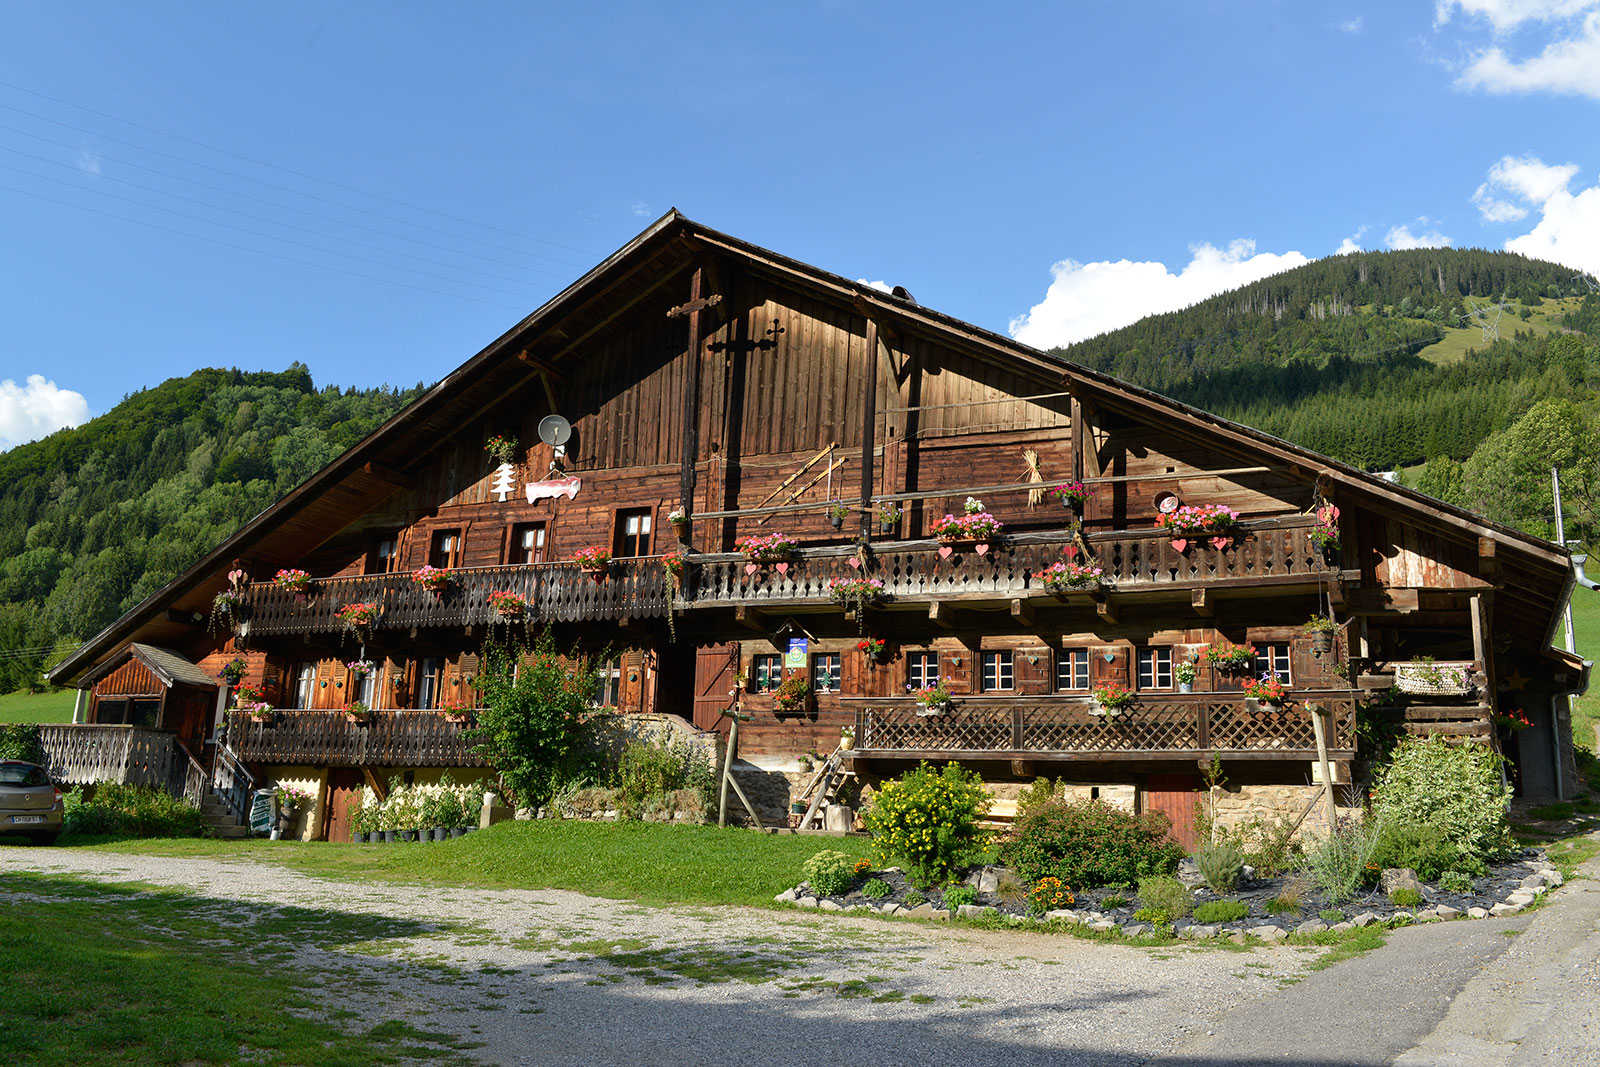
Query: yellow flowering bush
[928,819]
[1048,894]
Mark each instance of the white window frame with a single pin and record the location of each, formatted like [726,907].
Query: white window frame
[1159,659]
[922,669]
[820,678]
[766,672]
[999,671]
[1076,662]
[1275,659]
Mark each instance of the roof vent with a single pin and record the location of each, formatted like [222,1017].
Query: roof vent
[900,292]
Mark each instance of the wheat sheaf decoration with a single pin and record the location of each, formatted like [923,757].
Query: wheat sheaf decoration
[1030,460]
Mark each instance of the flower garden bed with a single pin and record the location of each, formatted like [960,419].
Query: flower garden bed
[1509,887]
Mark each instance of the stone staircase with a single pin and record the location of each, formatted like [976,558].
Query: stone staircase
[219,821]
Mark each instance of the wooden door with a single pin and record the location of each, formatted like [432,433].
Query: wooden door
[344,793]
[1176,797]
[716,671]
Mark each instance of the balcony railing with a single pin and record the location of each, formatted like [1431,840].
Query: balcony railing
[1268,552]
[330,739]
[1195,725]
[80,753]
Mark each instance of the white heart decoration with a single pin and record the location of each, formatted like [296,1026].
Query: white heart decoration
[944,551]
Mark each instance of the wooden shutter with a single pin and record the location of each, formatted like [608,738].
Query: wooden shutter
[1108,664]
[958,680]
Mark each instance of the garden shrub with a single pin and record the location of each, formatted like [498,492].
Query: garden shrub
[928,819]
[1220,911]
[20,740]
[1456,788]
[876,889]
[1268,845]
[1220,864]
[1010,890]
[1337,865]
[1455,882]
[915,899]
[1405,897]
[958,895]
[1089,843]
[1041,792]
[649,777]
[129,811]
[1423,848]
[1167,896]
[830,873]
[1115,900]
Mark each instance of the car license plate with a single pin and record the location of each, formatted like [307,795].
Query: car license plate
[23,820]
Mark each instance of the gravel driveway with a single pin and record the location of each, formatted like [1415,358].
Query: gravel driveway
[552,977]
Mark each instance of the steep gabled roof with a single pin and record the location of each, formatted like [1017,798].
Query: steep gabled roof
[364,474]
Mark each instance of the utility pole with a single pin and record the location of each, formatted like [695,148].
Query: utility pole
[1561,539]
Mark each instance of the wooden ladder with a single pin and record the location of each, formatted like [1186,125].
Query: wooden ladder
[823,788]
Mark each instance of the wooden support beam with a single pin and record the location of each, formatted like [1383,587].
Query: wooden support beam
[1022,611]
[691,396]
[1199,601]
[939,614]
[869,428]
[385,473]
[1104,608]
[750,617]
[538,363]
[1488,564]
[1077,439]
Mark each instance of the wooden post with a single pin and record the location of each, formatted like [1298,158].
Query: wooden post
[1318,713]
[869,429]
[1077,439]
[691,395]
[727,772]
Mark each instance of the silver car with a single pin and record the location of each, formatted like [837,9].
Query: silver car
[29,803]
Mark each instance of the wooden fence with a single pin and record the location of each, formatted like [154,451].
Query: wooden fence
[330,739]
[1190,726]
[79,754]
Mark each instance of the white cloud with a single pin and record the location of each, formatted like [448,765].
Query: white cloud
[1401,237]
[881,286]
[1085,299]
[640,209]
[1568,230]
[1570,62]
[1353,25]
[1507,15]
[39,408]
[1350,244]
[1525,178]
[89,162]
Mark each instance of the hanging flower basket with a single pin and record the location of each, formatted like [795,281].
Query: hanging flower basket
[358,616]
[1322,630]
[793,694]
[1067,576]
[1072,494]
[1232,659]
[862,593]
[775,548]
[1112,700]
[677,565]
[931,700]
[457,712]
[506,604]
[502,449]
[293,579]
[1325,534]
[1266,693]
[233,671]
[1427,678]
[436,580]
[888,515]
[593,561]
[873,648]
[1193,523]
[680,522]
[974,526]
[360,668]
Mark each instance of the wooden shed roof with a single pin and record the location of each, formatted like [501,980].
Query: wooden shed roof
[372,468]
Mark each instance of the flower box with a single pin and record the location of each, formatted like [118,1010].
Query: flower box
[1066,576]
[931,700]
[793,694]
[293,579]
[1112,700]
[1427,678]
[974,526]
[356,616]
[434,579]
[860,593]
[506,604]
[1232,659]
[1266,693]
[456,712]
[1216,523]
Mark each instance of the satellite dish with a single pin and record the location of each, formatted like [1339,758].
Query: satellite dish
[554,430]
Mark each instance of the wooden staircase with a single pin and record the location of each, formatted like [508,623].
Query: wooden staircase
[219,820]
[823,789]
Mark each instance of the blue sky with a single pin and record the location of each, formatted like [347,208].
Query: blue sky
[379,190]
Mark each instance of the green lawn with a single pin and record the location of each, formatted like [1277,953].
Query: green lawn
[38,707]
[1586,628]
[647,862]
[1458,339]
[111,975]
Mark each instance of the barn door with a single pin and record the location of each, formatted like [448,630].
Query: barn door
[716,671]
[1175,796]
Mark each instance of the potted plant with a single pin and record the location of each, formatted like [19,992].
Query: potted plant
[975,525]
[251,700]
[1232,659]
[838,511]
[506,604]
[502,449]
[293,579]
[226,604]
[889,514]
[291,802]
[1322,630]
[435,580]
[931,699]
[847,738]
[234,670]
[775,548]
[1325,534]
[677,565]
[456,711]
[1068,575]
[358,616]
[1216,523]
[593,561]
[1072,494]
[861,593]
[358,713]
[873,648]
[793,694]
[388,822]
[1112,700]
[1184,672]
[1515,719]
[1266,693]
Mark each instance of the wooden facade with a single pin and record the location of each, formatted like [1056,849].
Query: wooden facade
[761,395]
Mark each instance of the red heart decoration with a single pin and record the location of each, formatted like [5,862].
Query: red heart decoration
[783,568]
[1070,551]
[944,551]
[981,548]
[750,568]
[1221,542]
[1180,544]
[854,562]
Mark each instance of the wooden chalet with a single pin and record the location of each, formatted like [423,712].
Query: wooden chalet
[763,396]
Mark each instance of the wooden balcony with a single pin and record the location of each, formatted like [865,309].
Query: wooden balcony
[1270,553]
[1186,726]
[330,739]
[81,753]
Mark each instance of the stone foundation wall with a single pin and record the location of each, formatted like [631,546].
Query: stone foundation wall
[1235,806]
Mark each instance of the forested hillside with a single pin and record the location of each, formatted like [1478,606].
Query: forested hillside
[94,519]
[1347,355]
